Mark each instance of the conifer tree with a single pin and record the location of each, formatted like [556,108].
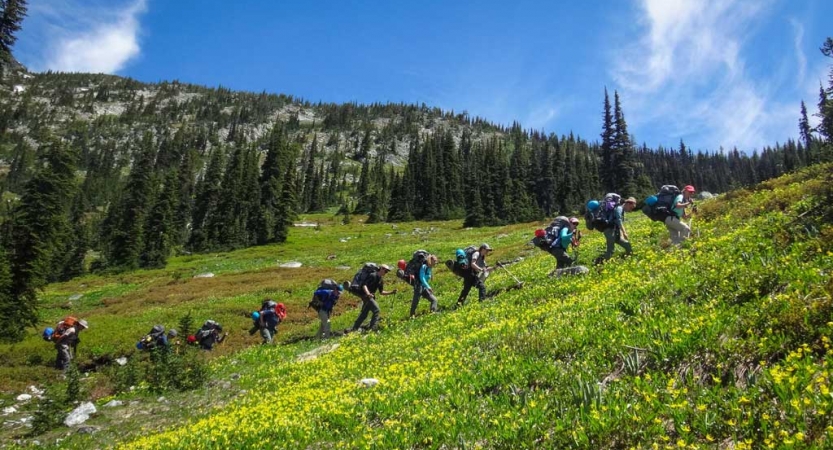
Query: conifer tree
[13,12]
[804,129]
[608,173]
[160,233]
[34,234]
[206,200]
[285,212]
[185,197]
[126,239]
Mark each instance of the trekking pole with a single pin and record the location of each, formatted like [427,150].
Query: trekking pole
[519,282]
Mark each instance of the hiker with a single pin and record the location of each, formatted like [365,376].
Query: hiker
[268,320]
[66,340]
[421,286]
[209,334]
[367,291]
[324,299]
[156,339]
[568,236]
[678,229]
[615,233]
[476,274]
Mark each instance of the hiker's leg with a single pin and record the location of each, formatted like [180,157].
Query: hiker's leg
[625,244]
[431,298]
[374,309]
[363,314]
[562,258]
[481,289]
[63,358]
[266,334]
[324,329]
[468,282]
[676,228]
[610,239]
[415,299]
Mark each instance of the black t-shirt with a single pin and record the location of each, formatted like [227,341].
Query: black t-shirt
[375,283]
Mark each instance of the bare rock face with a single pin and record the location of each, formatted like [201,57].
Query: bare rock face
[80,414]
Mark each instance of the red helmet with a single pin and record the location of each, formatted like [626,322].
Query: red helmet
[401,264]
[191,339]
[539,233]
[688,188]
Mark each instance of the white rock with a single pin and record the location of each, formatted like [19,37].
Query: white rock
[368,382]
[344,241]
[113,403]
[162,400]
[80,414]
[291,265]
[9,410]
[23,397]
[342,267]
[35,391]
[204,275]
[315,353]
[121,361]
[74,297]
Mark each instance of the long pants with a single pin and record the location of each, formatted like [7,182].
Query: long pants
[469,281]
[420,291]
[64,356]
[268,334]
[562,258]
[369,305]
[678,229]
[614,236]
[324,328]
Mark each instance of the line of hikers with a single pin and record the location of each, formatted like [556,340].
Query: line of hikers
[669,206]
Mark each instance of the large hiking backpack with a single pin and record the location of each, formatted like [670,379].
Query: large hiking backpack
[601,218]
[411,270]
[207,329]
[328,284]
[362,276]
[62,327]
[663,206]
[149,341]
[461,263]
[553,231]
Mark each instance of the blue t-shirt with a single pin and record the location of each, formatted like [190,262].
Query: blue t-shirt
[425,274]
[328,298]
[618,216]
[678,211]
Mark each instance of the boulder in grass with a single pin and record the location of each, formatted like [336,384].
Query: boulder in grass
[80,414]
[204,275]
[290,265]
[368,382]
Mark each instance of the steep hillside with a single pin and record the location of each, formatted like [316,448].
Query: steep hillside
[723,343]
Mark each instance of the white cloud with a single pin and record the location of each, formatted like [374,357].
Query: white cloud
[686,75]
[86,39]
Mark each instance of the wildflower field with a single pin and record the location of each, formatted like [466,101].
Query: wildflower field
[723,343]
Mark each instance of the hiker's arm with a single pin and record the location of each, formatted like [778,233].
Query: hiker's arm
[366,290]
[624,232]
[388,292]
[423,277]
[474,257]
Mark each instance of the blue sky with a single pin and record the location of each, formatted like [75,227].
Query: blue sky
[711,72]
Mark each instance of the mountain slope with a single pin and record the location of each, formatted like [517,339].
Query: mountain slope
[724,343]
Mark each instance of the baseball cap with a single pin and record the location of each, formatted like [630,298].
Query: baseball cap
[83,323]
[630,200]
[688,188]
[384,266]
[573,219]
[485,246]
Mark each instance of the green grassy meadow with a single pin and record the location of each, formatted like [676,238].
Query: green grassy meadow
[722,343]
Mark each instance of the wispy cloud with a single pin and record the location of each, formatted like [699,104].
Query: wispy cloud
[687,76]
[80,37]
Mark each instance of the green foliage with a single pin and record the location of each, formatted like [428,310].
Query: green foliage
[186,324]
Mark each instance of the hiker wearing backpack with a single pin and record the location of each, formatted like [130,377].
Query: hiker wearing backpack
[678,229]
[156,339]
[268,320]
[324,299]
[567,236]
[65,336]
[475,274]
[371,284]
[421,286]
[615,233]
[209,334]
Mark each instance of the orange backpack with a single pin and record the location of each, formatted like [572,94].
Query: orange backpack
[63,326]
